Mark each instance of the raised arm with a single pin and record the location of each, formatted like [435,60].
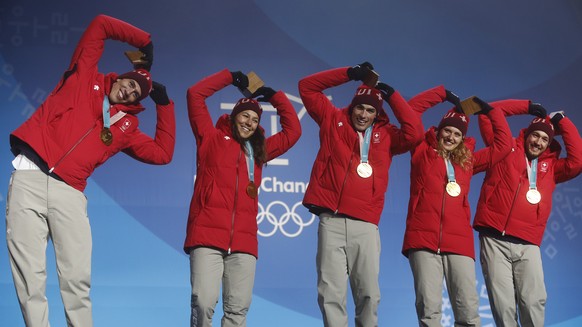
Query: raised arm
[290,132]
[508,108]
[91,44]
[160,149]
[200,119]
[570,166]
[411,130]
[311,91]
[501,144]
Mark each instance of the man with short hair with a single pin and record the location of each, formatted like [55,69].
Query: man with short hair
[514,207]
[348,183]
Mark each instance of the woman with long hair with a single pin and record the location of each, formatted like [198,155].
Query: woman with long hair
[222,227]
[438,240]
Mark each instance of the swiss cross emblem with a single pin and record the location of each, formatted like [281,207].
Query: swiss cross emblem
[376,138]
[544,167]
[463,118]
[125,125]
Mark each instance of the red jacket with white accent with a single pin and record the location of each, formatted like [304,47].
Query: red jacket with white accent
[503,206]
[437,221]
[222,215]
[65,130]
[334,184]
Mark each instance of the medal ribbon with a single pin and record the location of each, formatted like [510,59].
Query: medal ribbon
[532,173]
[450,170]
[365,144]
[106,121]
[250,161]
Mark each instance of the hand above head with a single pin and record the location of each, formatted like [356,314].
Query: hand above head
[158,94]
[265,92]
[359,72]
[485,107]
[555,118]
[385,89]
[239,79]
[148,57]
[454,99]
[536,109]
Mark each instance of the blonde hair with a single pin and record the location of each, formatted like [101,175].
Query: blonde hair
[461,155]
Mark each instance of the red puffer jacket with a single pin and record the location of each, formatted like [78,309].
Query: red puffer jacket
[503,205]
[334,183]
[65,130]
[437,221]
[222,215]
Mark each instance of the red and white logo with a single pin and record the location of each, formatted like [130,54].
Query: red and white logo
[544,167]
[125,125]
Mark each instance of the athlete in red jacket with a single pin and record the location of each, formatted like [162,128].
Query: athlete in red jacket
[348,181]
[439,239]
[222,226]
[514,207]
[85,120]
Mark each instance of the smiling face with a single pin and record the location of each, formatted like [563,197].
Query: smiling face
[246,123]
[449,138]
[124,91]
[363,116]
[536,143]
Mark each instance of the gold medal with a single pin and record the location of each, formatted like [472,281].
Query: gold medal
[533,196]
[252,190]
[453,189]
[364,170]
[106,136]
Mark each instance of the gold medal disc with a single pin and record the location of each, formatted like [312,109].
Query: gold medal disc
[106,136]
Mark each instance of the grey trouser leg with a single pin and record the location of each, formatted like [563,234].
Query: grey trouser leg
[208,268]
[348,248]
[514,277]
[429,269]
[38,208]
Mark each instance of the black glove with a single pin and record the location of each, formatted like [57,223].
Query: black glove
[239,80]
[555,118]
[536,109]
[359,72]
[385,89]
[485,107]
[454,99]
[148,57]
[265,92]
[158,94]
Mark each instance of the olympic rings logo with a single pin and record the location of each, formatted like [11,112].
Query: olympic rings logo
[280,222]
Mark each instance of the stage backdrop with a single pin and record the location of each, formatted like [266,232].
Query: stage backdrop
[528,49]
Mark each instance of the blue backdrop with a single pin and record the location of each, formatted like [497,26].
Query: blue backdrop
[495,49]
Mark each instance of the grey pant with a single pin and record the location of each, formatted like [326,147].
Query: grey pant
[429,269]
[348,248]
[208,267]
[40,207]
[515,279]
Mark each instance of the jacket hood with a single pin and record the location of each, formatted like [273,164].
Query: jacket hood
[133,108]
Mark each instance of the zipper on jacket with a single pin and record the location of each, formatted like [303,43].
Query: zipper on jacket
[72,148]
[441,225]
[345,178]
[234,206]
[511,210]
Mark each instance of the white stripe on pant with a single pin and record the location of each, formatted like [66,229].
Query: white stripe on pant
[40,207]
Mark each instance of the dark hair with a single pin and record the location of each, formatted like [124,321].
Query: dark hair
[257,142]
